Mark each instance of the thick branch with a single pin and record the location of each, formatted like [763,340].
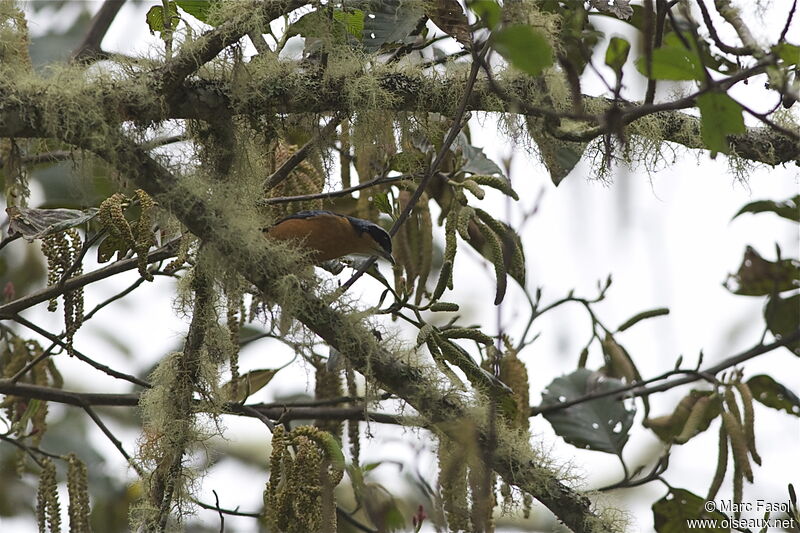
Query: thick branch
[206,48]
[23,110]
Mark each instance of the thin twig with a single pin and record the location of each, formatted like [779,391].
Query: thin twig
[114,440]
[99,366]
[89,48]
[219,511]
[336,194]
[24,370]
[12,308]
[736,50]
[296,158]
[641,388]
[30,450]
[9,239]
[782,38]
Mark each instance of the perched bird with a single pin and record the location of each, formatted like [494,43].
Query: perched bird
[328,235]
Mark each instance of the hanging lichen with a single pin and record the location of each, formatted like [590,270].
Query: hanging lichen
[305,466]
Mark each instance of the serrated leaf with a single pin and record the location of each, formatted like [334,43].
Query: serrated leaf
[247,384]
[524,48]
[720,116]
[789,209]
[155,17]
[601,424]
[672,63]
[672,512]
[559,156]
[772,394]
[783,318]
[617,53]
[37,223]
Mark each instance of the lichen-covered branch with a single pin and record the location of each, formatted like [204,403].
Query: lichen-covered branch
[285,89]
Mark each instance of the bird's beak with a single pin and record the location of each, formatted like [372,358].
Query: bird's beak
[386,255]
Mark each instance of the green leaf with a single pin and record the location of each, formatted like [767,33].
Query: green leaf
[353,21]
[247,384]
[783,318]
[488,11]
[36,223]
[789,53]
[155,17]
[381,201]
[772,394]
[671,513]
[524,48]
[788,209]
[476,162]
[388,21]
[758,277]
[617,54]
[721,116]
[672,63]
[601,424]
[196,8]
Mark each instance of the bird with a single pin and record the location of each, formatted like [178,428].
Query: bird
[328,235]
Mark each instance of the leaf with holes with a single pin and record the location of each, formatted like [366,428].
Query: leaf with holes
[671,513]
[772,394]
[388,21]
[783,318]
[601,424]
[759,277]
[155,17]
[36,223]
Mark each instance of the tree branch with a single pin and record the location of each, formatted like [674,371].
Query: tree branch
[20,304]
[90,49]
[24,108]
[643,388]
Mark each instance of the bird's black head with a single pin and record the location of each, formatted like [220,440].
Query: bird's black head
[381,237]
[377,233]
